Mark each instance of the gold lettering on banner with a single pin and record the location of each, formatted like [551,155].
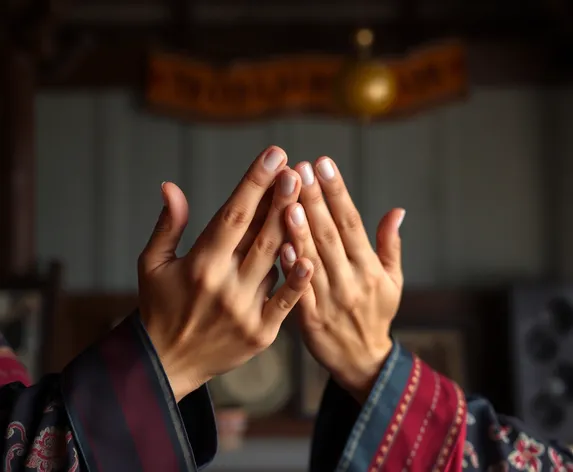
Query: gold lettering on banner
[304,84]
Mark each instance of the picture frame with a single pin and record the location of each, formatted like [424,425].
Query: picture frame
[442,348]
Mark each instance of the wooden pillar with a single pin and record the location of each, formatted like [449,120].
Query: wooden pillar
[17,161]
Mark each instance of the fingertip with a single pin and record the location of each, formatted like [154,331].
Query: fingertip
[175,200]
[303,268]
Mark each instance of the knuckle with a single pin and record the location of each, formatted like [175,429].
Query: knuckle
[235,216]
[267,246]
[315,197]
[351,221]
[254,180]
[283,304]
[348,299]
[257,341]
[335,190]
[371,280]
[317,264]
[326,237]
[205,279]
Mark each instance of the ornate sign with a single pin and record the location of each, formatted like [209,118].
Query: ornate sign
[327,85]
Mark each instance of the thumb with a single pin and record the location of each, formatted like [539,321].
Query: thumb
[389,245]
[167,233]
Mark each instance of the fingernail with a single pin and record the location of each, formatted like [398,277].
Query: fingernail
[163,193]
[297,216]
[287,184]
[401,219]
[290,255]
[273,160]
[306,174]
[326,169]
[301,270]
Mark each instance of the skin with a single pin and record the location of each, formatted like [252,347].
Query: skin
[345,314]
[209,312]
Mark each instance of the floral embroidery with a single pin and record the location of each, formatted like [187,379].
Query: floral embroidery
[526,454]
[48,451]
[18,447]
[557,462]
[76,463]
[470,456]
[499,433]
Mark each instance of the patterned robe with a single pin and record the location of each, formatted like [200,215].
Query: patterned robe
[111,410]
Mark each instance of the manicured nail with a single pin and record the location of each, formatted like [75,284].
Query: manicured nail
[301,270]
[273,160]
[306,175]
[401,219]
[326,169]
[290,255]
[163,193]
[297,216]
[287,184]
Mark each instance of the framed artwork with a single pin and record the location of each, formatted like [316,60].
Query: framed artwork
[443,349]
[22,323]
[313,380]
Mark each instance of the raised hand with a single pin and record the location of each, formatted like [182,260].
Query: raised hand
[209,312]
[345,316]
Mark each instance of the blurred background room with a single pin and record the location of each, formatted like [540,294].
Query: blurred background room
[459,111]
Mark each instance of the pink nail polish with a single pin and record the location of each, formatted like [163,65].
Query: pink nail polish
[326,169]
[306,175]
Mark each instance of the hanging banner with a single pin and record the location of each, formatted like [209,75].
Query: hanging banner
[305,84]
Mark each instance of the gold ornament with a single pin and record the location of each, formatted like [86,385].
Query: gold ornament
[368,88]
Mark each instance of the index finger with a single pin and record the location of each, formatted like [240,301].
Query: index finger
[228,227]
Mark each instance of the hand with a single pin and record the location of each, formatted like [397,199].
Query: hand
[208,312]
[345,315]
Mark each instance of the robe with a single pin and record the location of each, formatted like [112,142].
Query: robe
[112,410]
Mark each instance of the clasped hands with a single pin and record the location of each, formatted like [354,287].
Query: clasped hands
[209,311]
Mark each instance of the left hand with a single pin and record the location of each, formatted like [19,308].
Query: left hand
[345,314]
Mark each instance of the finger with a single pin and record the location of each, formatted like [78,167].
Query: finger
[346,216]
[283,301]
[389,246]
[324,231]
[268,283]
[288,259]
[303,243]
[230,224]
[163,242]
[265,249]
[256,225]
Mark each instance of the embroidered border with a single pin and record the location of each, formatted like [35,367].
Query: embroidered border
[453,432]
[402,409]
[360,427]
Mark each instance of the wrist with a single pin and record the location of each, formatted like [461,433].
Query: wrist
[183,383]
[361,381]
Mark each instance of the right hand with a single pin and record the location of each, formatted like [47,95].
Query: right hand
[209,312]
